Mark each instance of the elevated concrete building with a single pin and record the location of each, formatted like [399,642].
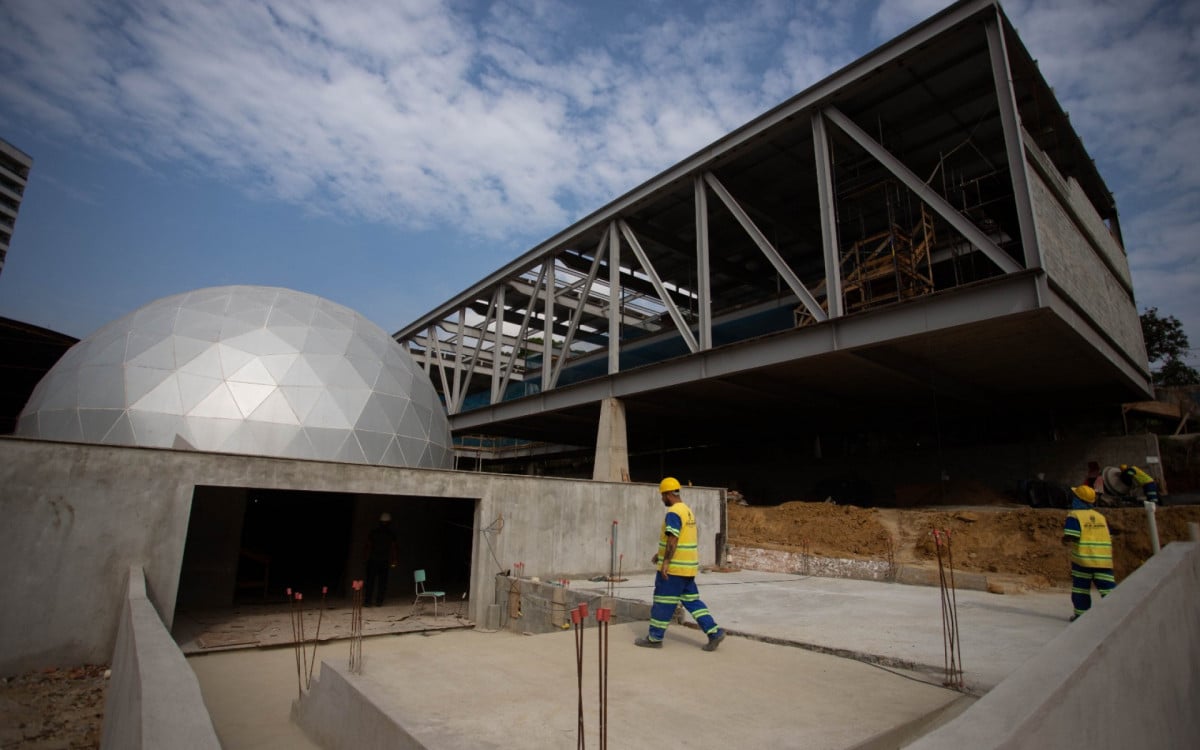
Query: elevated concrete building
[915,253]
[14,176]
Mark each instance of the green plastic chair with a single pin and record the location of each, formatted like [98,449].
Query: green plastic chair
[422,593]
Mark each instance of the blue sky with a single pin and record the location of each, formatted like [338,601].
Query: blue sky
[386,154]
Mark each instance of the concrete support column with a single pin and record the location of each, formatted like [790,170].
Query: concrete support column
[612,444]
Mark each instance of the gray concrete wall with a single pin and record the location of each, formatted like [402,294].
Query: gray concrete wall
[78,516]
[209,574]
[154,699]
[1073,238]
[334,703]
[1124,675]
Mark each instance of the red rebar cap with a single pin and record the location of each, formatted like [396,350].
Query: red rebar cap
[583,612]
[575,618]
[603,614]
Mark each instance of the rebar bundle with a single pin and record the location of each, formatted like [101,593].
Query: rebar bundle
[356,627]
[951,644]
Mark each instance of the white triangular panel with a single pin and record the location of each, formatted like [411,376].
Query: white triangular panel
[219,404]
[302,399]
[233,357]
[207,363]
[301,373]
[275,409]
[164,399]
[249,396]
[253,371]
[195,388]
[161,356]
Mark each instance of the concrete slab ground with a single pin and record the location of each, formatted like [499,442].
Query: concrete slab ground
[883,623]
[811,662]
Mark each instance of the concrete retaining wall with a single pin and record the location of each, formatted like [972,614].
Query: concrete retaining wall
[333,704]
[78,516]
[799,563]
[1124,675]
[154,699]
[526,606]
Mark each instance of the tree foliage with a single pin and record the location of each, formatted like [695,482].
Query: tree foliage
[1167,346]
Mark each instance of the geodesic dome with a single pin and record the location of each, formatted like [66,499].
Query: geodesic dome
[245,369]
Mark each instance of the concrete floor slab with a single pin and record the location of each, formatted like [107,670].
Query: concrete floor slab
[779,679]
[459,690]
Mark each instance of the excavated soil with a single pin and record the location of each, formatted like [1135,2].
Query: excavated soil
[1009,542]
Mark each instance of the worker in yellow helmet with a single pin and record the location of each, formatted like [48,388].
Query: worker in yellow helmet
[678,561]
[1136,476]
[1086,532]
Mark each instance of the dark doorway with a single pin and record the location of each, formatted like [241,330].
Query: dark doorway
[302,536]
[248,545]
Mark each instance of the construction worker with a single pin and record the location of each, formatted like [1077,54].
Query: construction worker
[1135,476]
[1086,532]
[678,561]
[381,556]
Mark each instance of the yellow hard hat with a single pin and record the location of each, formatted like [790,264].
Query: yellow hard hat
[1085,493]
[670,484]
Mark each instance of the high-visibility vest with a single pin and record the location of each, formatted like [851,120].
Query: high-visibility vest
[1094,547]
[686,560]
[1140,476]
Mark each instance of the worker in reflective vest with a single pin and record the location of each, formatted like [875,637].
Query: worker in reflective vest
[678,561]
[1134,475]
[1086,532]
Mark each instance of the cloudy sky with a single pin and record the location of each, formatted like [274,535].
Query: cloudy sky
[386,154]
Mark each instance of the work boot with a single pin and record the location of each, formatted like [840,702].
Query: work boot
[715,641]
[647,643]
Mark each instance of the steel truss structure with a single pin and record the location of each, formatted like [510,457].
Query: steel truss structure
[923,225]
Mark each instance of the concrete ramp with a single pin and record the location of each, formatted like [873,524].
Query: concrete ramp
[478,690]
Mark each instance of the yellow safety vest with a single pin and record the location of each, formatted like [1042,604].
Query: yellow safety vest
[1094,547]
[1140,476]
[686,560]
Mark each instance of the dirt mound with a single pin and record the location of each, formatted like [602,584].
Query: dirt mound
[1007,541]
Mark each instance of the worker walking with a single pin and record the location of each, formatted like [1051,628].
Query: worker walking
[1086,532]
[678,561]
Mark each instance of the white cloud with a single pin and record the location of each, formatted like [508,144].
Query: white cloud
[512,118]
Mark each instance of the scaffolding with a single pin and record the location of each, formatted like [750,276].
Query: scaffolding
[887,266]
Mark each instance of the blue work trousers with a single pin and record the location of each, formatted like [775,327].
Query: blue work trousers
[1081,585]
[674,590]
